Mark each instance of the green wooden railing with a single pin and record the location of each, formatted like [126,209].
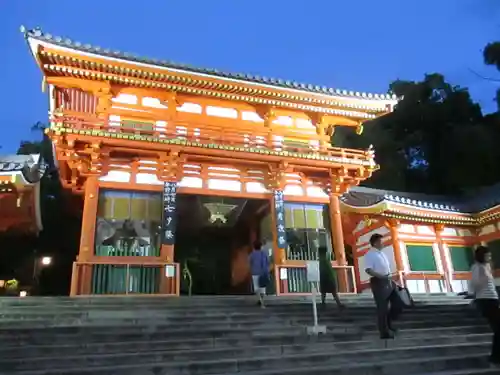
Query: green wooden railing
[297,281]
[125,279]
[123,250]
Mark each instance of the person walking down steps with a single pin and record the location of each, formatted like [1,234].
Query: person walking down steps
[259,267]
[382,286]
[486,297]
[327,278]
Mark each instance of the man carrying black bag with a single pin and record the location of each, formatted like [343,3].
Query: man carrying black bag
[385,291]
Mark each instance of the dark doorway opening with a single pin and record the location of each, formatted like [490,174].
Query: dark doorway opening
[213,238]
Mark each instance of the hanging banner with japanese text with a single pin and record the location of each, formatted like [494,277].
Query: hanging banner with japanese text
[279,209]
[169,213]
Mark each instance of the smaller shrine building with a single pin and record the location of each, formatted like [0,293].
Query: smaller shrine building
[20,193]
[430,240]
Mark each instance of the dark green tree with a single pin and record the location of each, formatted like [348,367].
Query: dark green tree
[491,55]
[436,141]
[60,217]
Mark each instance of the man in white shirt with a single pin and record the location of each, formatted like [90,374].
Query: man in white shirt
[383,288]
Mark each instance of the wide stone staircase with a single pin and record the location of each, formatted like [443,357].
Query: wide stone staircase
[228,335]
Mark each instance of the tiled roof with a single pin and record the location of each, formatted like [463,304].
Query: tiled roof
[32,167]
[363,197]
[15,163]
[279,83]
[472,202]
[483,198]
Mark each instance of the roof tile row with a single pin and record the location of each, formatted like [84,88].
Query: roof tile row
[38,34]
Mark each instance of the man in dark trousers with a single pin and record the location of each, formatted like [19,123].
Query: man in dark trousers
[383,287]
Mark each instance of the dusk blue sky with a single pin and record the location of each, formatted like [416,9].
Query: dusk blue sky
[359,45]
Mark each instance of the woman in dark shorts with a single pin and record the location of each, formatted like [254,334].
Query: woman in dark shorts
[327,277]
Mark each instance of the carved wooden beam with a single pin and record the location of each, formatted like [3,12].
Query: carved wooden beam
[171,166]
[276,177]
[392,223]
[267,113]
[339,181]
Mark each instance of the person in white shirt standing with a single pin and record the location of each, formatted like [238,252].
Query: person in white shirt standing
[486,297]
[383,287]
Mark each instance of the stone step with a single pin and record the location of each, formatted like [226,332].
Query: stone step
[213,335]
[173,302]
[125,334]
[477,371]
[244,305]
[7,327]
[16,350]
[173,327]
[212,349]
[204,298]
[252,310]
[386,361]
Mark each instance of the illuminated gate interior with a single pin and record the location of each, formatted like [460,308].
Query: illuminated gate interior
[213,238]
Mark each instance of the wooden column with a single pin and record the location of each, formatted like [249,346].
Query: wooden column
[338,241]
[393,224]
[87,238]
[438,229]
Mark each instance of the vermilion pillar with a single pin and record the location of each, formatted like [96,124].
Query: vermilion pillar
[438,229]
[82,275]
[338,241]
[396,245]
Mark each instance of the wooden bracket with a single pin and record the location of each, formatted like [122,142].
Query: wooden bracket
[267,113]
[392,223]
[170,166]
[276,178]
[438,228]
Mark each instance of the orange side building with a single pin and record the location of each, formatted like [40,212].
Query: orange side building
[20,194]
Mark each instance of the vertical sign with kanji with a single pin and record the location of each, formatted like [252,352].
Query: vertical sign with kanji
[169,212]
[279,209]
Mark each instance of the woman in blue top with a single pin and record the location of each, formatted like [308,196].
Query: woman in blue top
[259,267]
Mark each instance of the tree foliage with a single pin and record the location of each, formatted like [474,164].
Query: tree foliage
[436,141]
[491,56]
[61,227]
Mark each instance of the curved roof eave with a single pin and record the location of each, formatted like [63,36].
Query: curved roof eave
[36,37]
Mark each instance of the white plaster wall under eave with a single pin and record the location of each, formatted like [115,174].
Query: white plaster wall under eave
[316,192]
[147,179]
[452,232]
[464,232]
[116,176]
[191,182]
[406,228]
[256,187]
[293,190]
[218,184]
[424,229]
[487,229]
